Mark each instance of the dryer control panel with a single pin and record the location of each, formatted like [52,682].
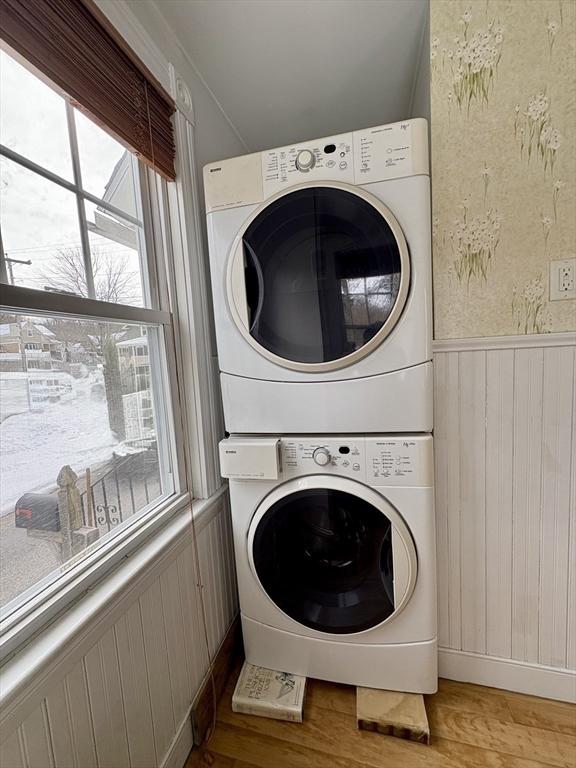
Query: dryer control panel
[360,157]
[330,158]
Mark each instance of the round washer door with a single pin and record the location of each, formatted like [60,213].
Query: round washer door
[332,554]
[318,277]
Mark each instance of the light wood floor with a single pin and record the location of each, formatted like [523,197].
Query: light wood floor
[472,727]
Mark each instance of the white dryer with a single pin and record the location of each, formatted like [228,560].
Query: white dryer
[321,277]
[335,556]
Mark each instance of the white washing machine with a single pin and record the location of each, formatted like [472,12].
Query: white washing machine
[335,556]
[321,277]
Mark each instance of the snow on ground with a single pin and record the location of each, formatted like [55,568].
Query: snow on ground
[35,445]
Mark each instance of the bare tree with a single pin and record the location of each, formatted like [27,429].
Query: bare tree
[113,282]
[113,279]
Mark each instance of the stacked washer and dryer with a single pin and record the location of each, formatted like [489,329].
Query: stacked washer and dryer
[321,276]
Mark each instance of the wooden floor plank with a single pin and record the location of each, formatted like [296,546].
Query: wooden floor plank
[506,706]
[205,757]
[340,698]
[242,764]
[548,747]
[471,698]
[466,756]
[542,713]
[268,752]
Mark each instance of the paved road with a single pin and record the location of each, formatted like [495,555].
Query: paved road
[24,560]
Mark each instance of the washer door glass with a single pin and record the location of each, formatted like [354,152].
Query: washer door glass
[322,270]
[325,557]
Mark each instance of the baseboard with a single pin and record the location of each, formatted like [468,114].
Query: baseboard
[534,679]
[181,745]
[203,705]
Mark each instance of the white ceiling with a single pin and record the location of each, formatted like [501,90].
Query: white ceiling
[290,70]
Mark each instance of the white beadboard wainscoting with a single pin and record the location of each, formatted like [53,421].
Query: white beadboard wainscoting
[119,694]
[505,448]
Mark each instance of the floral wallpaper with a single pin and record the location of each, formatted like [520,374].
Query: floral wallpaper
[503,128]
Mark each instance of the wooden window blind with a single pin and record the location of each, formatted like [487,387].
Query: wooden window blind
[72,43]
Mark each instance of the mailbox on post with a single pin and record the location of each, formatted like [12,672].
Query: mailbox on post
[38,511]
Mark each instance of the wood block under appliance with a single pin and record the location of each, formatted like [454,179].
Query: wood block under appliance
[393,713]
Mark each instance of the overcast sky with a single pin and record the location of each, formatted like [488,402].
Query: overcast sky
[38,217]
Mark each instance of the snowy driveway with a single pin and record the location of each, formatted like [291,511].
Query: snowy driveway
[34,446]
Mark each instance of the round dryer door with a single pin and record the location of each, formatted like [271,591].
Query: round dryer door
[332,554]
[318,277]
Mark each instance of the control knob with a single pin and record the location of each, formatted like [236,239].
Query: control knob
[321,456]
[305,160]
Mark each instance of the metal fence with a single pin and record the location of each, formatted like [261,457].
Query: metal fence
[121,491]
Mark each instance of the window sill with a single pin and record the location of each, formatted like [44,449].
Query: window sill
[54,616]
[28,671]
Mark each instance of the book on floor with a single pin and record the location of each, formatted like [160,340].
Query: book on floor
[268,693]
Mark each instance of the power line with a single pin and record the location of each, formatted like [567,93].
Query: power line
[70,245]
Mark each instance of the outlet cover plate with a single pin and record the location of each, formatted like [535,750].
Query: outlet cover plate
[562,279]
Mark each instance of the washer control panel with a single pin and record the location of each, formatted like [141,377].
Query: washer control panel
[391,460]
[379,461]
[306,455]
[331,158]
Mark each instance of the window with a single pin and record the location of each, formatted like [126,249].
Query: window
[76,228]
[86,415]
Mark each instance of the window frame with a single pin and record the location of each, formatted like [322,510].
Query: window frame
[81,196]
[50,596]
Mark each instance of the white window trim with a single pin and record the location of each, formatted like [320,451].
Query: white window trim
[181,228]
[188,285]
[195,403]
[21,299]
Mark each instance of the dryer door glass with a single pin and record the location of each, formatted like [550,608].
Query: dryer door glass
[324,557]
[322,271]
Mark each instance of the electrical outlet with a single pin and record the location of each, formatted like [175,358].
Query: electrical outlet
[562,279]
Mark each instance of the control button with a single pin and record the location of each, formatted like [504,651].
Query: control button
[305,160]
[329,148]
[321,456]
[342,154]
[343,165]
[343,449]
[345,463]
[330,164]
[356,466]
